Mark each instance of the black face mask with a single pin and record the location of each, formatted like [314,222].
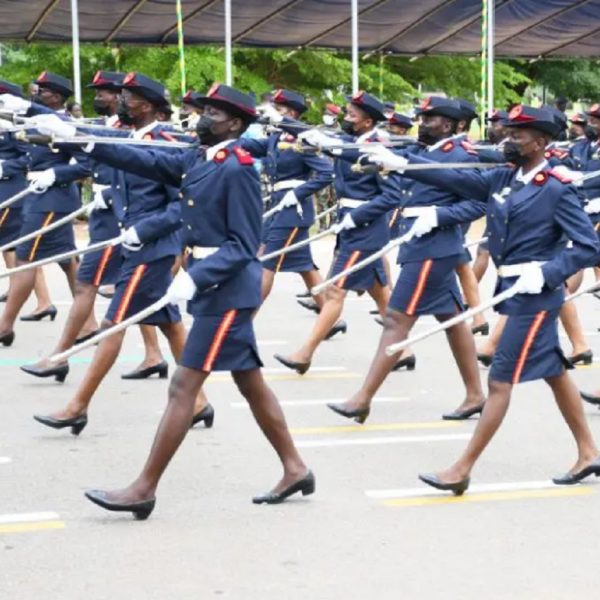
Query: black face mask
[591,133]
[426,136]
[123,114]
[206,135]
[512,154]
[347,127]
[101,109]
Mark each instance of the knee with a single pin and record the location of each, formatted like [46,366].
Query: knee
[178,388]
[334,294]
[243,385]
[499,388]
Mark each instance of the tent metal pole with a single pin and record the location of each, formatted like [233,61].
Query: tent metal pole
[354,46]
[228,60]
[483,66]
[76,58]
[490,55]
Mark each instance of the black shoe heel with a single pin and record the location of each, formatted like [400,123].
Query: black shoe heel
[7,339]
[458,488]
[140,510]
[485,359]
[339,327]
[77,424]
[360,415]
[409,362]
[162,369]
[585,358]
[51,312]
[482,329]
[595,400]
[59,373]
[299,367]
[206,415]
[305,486]
[573,478]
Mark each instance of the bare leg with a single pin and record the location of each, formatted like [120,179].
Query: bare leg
[570,321]
[574,282]
[41,291]
[482,260]
[396,327]
[20,289]
[311,279]
[462,344]
[569,403]
[330,313]
[388,272]
[468,283]
[493,414]
[490,345]
[70,270]
[268,278]
[152,352]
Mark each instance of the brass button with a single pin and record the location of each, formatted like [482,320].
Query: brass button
[190,202]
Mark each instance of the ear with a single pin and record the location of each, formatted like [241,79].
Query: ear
[237,125]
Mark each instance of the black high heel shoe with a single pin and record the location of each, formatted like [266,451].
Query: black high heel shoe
[51,312]
[306,486]
[485,359]
[3,297]
[458,488]
[309,304]
[141,510]
[482,329]
[583,357]
[339,327]
[77,424]
[207,414]
[572,478]
[7,339]
[359,414]
[161,368]
[86,337]
[462,415]
[305,294]
[299,367]
[590,398]
[410,362]
[59,373]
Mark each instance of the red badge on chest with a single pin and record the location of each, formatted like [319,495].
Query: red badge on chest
[448,146]
[540,178]
[221,155]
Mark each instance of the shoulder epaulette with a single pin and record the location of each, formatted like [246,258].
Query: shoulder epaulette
[562,177]
[244,158]
[468,147]
[167,136]
[448,146]
[541,178]
[221,155]
[561,154]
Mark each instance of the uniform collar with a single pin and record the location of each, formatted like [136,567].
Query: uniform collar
[210,152]
[365,136]
[139,134]
[439,144]
[525,179]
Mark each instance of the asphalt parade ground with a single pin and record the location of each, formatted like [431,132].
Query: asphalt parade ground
[371,530]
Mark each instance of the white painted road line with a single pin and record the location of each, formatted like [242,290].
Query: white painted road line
[375,441]
[278,370]
[29,517]
[481,488]
[322,402]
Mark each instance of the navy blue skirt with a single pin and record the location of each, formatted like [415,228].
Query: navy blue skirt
[428,287]
[363,279]
[298,261]
[139,286]
[529,349]
[11,221]
[223,342]
[49,244]
[100,267]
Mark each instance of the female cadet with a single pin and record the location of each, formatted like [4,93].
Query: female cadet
[530,212]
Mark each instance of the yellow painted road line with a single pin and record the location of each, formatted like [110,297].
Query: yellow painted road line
[491,497]
[385,440]
[35,526]
[292,377]
[321,402]
[375,427]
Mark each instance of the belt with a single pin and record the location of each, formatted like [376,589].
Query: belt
[288,184]
[98,187]
[516,270]
[415,211]
[350,202]
[200,252]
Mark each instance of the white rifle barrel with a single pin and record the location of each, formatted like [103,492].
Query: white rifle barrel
[67,219]
[326,212]
[140,316]
[62,257]
[16,197]
[297,245]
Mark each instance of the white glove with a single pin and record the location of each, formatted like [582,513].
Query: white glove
[40,181]
[53,125]
[6,125]
[593,206]
[131,239]
[314,137]
[182,288]
[269,111]
[532,279]
[425,222]
[98,203]
[386,158]
[14,104]
[346,223]
[290,199]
